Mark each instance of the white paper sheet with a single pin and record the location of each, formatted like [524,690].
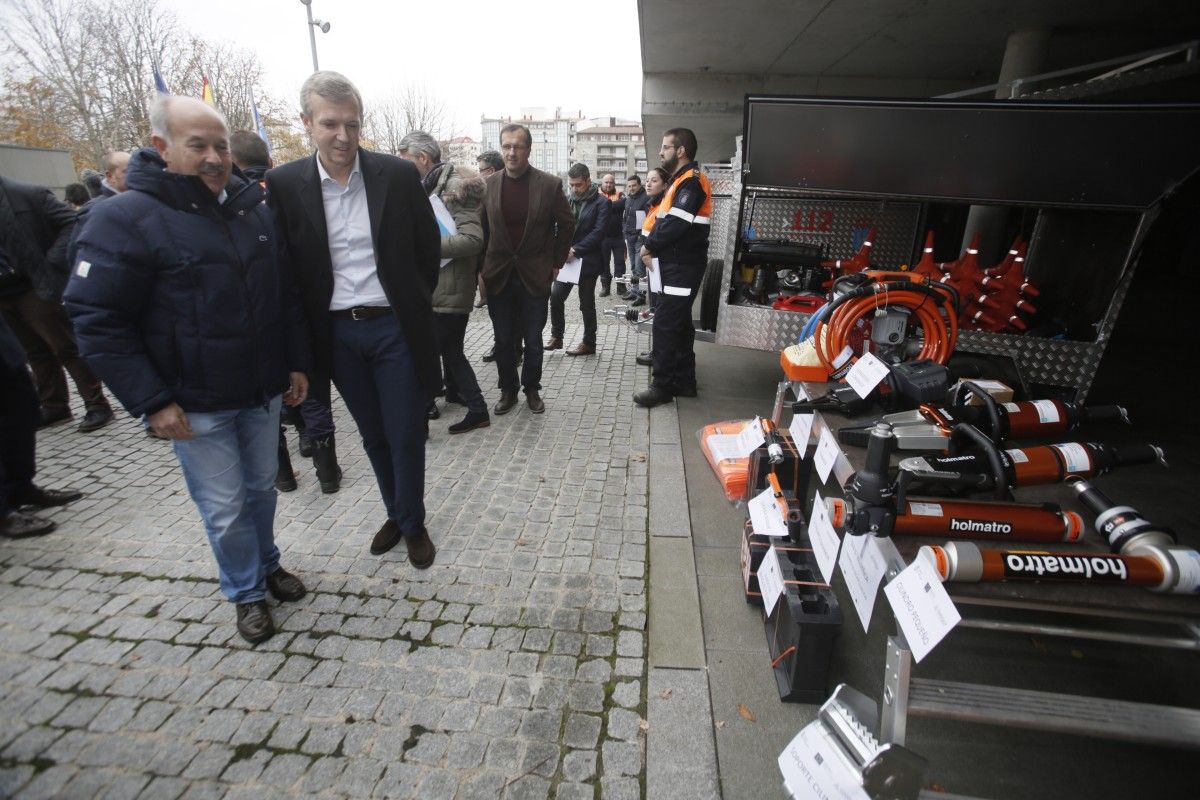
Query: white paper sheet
[863,567]
[444,219]
[655,275]
[570,271]
[770,580]
[766,516]
[923,609]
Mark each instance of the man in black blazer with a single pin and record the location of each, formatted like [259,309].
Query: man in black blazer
[366,246]
[35,229]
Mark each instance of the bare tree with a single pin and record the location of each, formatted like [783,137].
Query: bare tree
[95,60]
[411,107]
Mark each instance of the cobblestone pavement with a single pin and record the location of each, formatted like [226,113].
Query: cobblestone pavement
[512,668]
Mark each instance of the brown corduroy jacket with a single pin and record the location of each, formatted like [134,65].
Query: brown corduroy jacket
[543,248]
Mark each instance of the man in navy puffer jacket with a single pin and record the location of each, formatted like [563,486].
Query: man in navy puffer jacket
[182,301]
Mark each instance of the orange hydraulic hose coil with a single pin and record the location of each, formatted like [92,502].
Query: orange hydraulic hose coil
[832,335]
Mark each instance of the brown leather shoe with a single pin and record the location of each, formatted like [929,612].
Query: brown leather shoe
[582,349]
[535,401]
[421,551]
[505,404]
[553,343]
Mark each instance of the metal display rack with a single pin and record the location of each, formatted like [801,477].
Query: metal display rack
[874,163]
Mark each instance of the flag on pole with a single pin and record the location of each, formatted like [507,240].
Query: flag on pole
[207,92]
[159,84]
[258,123]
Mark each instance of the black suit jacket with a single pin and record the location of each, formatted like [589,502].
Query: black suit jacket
[35,229]
[407,253]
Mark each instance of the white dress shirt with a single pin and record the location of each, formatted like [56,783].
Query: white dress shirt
[348,223]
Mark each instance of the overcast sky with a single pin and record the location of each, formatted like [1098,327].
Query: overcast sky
[488,58]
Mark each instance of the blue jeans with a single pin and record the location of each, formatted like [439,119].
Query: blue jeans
[636,268]
[229,465]
[376,373]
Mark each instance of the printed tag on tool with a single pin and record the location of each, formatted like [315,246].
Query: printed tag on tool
[723,446]
[924,611]
[751,438]
[1075,457]
[863,566]
[770,580]
[866,374]
[1047,410]
[823,537]
[800,429]
[766,515]
[812,769]
[826,454]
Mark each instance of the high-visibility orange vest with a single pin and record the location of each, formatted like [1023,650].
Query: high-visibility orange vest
[614,197]
[651,217]
[701,217]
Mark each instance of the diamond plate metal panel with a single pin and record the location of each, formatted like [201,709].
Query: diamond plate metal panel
[838,225]
[720,177]
[1048,361]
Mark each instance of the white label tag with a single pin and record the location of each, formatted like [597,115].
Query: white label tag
[639,218]
[766,515]
[745,560]
[1047,410]
[866,374]
[724,446]
[770,580]
[1013,407]
[825,454]
[678,291]
[800,429]
[842,357]
[751,438]
[655,275]
[925,509]
[1017,456]
[812,770]
[83,269]
[823,538]
[1075,456]
[924,611]
[863,566]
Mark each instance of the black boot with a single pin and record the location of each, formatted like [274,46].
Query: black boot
[329,474]
[285,479]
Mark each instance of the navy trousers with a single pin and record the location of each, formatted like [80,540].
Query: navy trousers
[518,315]
[376,374]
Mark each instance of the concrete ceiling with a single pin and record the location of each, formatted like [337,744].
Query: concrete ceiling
[700,56]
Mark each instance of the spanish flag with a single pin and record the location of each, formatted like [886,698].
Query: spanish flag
[207,92]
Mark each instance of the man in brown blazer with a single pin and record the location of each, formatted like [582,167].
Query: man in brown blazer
[530,226]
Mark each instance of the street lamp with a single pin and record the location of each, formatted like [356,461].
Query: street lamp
[313,24]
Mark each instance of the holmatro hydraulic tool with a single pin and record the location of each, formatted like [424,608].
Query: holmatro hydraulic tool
[929,427]
[876,504]
[1143,554]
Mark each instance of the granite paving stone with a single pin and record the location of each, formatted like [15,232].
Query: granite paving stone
[489,675]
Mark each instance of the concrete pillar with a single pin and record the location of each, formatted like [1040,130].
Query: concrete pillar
[1024,55]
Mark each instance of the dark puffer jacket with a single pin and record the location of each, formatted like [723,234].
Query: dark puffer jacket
[178,299]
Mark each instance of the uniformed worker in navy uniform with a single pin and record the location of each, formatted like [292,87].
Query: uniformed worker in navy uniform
[678,243]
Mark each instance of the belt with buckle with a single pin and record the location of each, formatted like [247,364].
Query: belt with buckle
[359,313]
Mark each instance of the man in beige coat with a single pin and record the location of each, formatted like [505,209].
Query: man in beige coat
[529,233]
[456,193]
